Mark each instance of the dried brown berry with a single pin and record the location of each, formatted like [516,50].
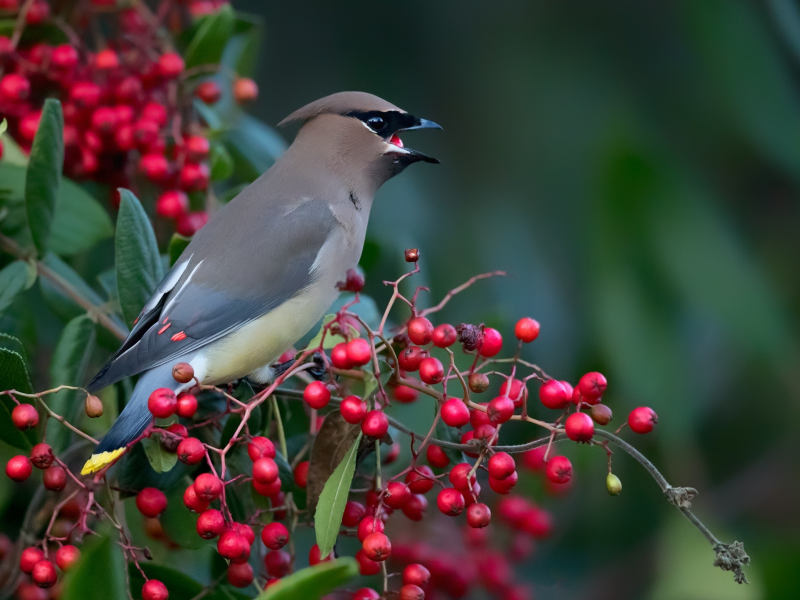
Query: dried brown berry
[93,407]
[412,255]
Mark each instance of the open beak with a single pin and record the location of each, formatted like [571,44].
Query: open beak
[411,155]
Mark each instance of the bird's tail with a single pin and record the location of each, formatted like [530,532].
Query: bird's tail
[134,418]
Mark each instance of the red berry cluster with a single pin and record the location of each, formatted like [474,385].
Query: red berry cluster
[127,105]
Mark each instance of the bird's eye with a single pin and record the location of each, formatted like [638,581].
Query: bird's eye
[376,123]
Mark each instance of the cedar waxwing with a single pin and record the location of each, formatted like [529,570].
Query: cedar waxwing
[264,269]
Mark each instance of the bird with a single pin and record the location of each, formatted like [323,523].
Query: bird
[264,269]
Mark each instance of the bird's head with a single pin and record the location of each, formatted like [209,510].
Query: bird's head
[359,132]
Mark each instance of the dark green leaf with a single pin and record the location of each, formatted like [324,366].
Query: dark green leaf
[139,267]
[254,147]
[242,51]
[221,163]
[79,221]
[160,460]
[13,280]
[13,376]
[135,473]
[44,173]
[450,434]
[208,43]
[99,574]
[284,471]
[313,582]
[180,524]
[330,507]
[177,244]
[68,367]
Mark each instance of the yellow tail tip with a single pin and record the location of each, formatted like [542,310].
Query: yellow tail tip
[98,461]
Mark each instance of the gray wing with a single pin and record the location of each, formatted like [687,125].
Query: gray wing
[232,272]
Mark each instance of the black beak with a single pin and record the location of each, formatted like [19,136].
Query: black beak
[415,155]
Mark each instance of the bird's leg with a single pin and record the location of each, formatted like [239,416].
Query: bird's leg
[317,371]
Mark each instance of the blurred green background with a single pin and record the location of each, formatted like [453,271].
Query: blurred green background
[634,166]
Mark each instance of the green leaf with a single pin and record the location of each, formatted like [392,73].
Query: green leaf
[44,173]
[450,434]
[13,376]
[180,585]
[79,221]
[177,244]
[331,338]
[161,460]
[254,146]
[284,471]
[139,267]
[3,127]
[221,163]
[135,473]
[313,582]
[99,574]
[241,52]
[330,507]
[13,279]
[208,43]
[68,367]
[179,523]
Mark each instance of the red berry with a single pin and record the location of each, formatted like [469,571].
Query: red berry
[196,147]
[641,420]
[151,502]
[444,336]
[106,60]
[14,88]
[500,409]
[37,14]
[192,502]
[275,535]
[579,427]
[420,480]
[501,465]
[191,451]
[245,531]
[314,557]
[187,405]
[492,342]
[377,547]
[503,486]
[24,416]
[145,134]
[154,166]
[431,370]
[405,394]
[265,470]
[179,430]
[28,558]
[601,414]
[260,447]
[353,409]
[190,223]
[420,330]
[366,593]
[153,589]
[208,92]
[162,403]
[487,433]
[410,358]
[85,95]
[207,487]
[233,546]
[244,90]
[277,563]
[267,490]
[375,424]
[194,177]
[55,478]
[416,574]
[553,394]
[240,575]
[534,459]
[339,357]
[397,494]
[129,91]
[465,439]
[64,57]
[415,507]
[156,112]
[317,395]
[301,474]
[455,413]
[353,513]
[367,566]
[66,556]
[172,204]
[369,525]
[526,329]
[42,456]
[478,515]
[559,469]
[170,65]
[450,502]
[359,351]
[458,477]
[210,524]
[29,125]
[436,457]
[44,574]
[19,468]
[411,592]
[592,385]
